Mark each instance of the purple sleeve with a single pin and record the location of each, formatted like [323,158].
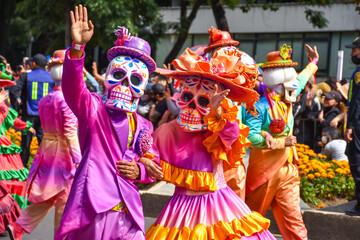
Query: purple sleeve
[70,132]
[262,89]
[76,95]
[229,134]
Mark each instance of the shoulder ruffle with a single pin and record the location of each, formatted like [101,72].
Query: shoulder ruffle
[213,143]
[247,226]
[191,179]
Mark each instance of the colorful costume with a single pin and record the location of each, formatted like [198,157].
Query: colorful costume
[9,209]
[53,168]
[12,171]
[272,177]
[194,148]
[234,176]
[102,203]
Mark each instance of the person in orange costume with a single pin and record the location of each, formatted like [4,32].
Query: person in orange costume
[234,176]
[272,176]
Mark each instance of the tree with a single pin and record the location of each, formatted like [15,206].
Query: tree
[316,18]
[185,23]
[49,24]
[6,16]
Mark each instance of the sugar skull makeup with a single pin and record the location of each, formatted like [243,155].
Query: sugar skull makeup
[194,103]
[125,81]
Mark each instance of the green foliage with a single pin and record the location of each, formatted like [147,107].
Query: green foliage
[47,18]
[317,18]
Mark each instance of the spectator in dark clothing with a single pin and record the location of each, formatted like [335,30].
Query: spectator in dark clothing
[330,110]
[33,86]
[305,113]
[158,109]
[352,134]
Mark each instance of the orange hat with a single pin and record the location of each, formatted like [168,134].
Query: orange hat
[219,38]
[57,58]
[224,67]
[280,58]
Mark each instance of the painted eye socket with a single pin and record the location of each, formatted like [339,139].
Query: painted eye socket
[203,101]
[186,96]
[135,79]
[119,74]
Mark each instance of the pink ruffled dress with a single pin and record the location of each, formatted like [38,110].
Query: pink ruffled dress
[203,206]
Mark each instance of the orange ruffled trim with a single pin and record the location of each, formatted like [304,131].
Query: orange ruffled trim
[231,155]
[194,180]
[247,226]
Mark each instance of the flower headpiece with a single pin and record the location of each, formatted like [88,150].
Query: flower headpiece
[224,67]
[131,46]
[280,58]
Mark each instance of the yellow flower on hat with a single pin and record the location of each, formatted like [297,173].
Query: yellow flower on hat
[285,51]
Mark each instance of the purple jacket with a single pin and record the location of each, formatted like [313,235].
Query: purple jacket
[96,187]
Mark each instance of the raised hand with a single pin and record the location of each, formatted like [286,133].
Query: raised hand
[216,99]
[82,29]
[312,53]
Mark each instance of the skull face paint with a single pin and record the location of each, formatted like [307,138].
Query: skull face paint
[194,103]
[125,81]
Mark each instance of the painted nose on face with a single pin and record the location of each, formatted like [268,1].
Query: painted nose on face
[125,82]
[192,105]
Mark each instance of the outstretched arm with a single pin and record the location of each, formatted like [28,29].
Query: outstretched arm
[75,91]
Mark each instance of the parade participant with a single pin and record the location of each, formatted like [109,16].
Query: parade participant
[33,86]
[272,177]
[234,176]
[53,168]
[352,133]
[105,203]
[194,147]
[12,171]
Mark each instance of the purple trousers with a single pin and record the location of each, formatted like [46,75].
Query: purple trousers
[110,225]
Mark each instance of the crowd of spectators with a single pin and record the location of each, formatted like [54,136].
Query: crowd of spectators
[158,104]
[34,82]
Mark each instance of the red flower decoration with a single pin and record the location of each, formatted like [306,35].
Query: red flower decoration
[277,126]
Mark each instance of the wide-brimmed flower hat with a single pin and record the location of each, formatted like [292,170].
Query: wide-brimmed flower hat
[57,58]
[224,67]
[280,58]
[131,46]
[6,83]
[218,39]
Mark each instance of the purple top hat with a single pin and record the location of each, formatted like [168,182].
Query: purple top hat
[132,46]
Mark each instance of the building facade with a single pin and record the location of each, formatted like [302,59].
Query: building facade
[261,31]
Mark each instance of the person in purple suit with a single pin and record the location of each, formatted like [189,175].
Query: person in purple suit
[104,202]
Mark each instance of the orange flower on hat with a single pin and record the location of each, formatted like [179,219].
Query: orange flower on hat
[225,68]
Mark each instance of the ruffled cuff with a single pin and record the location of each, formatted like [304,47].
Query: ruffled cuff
[191,179]
[29,125]
[230,115]
[231,154]
[247,226]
